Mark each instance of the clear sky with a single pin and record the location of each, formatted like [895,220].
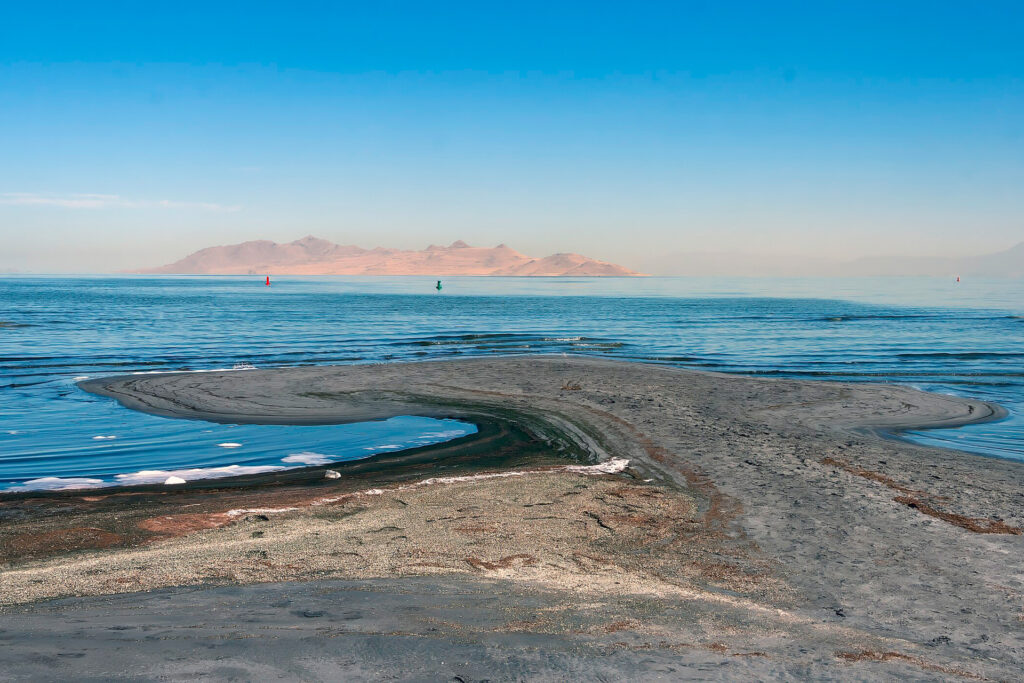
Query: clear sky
[132,133]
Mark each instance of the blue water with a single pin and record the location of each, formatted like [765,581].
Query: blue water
[107,444]
[931,333]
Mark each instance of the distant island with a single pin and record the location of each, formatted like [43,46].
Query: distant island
[314,256]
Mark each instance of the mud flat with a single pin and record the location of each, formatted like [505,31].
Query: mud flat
[610,519]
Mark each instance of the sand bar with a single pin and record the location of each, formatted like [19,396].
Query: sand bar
[762,527]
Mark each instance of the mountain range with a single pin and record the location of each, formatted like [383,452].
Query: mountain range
[314,256]
[1008,263]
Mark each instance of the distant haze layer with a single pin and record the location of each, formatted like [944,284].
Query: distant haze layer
[1008,263]
[313,256]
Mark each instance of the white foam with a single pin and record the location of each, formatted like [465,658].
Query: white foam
[308,458]
[257,511]
[13,432]
[103,438]
[174,480]
[79,378]
[59,484]
[230,444]
[161,476]
[175,372]
[231,369]
[472,477]
[610,466]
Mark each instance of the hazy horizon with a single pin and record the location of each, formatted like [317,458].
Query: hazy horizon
[794,134]
[695,263]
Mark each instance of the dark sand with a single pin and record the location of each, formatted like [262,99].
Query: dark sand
[763,528]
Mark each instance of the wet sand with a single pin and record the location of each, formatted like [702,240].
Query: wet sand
[762,528]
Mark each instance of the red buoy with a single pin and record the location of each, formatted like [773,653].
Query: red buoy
[268,281]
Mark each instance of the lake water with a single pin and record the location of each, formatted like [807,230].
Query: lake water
[931,333]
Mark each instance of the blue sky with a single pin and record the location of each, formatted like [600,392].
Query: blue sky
[132,133]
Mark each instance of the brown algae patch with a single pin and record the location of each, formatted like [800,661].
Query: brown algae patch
[34,544]
[912,498]
[876,656]
[182,524]
[871,475]
[978,525]
[559,529]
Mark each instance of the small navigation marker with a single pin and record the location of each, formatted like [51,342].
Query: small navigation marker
[439,285]
[268,281]
[958,278]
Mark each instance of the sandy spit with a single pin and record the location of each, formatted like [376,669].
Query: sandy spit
[765,527]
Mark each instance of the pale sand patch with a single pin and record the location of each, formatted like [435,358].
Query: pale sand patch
[560,529]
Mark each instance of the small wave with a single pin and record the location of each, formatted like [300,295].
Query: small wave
[674,359]
[161,476]
[234,368]
[961,355]
[19,385]
[101,437]
[453,339]
[599,345]
[879,316]
[59,484]
[230,444]
[504,341]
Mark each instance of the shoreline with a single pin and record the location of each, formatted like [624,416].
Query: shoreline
[491,433]
[108,387]
[750,507]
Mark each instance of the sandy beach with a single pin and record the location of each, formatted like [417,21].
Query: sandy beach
[609,519]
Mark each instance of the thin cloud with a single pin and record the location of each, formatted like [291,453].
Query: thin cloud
[105,201]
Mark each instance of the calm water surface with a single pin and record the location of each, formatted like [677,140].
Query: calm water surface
[931,333]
